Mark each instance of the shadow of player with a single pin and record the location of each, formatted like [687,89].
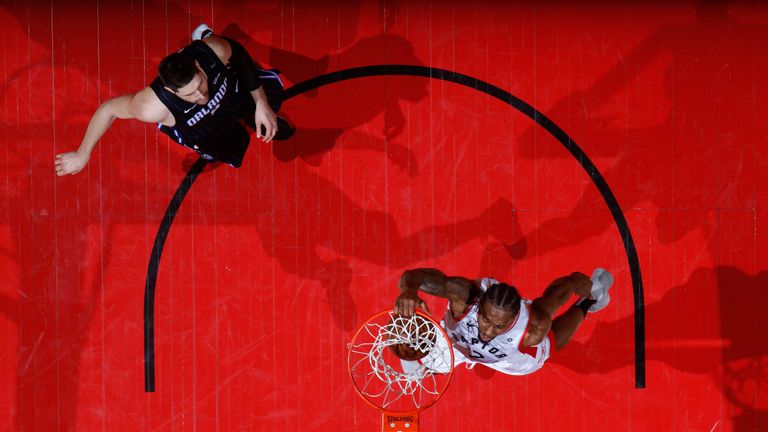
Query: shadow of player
[684,159]
[713,333]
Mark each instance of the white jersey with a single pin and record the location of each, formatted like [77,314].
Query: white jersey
[502,352]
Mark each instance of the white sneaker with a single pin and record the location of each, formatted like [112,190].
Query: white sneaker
[601,282]
[201,32]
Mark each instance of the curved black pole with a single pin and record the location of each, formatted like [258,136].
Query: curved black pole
[476,84]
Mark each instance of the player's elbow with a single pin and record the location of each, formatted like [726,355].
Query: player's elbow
[108,107]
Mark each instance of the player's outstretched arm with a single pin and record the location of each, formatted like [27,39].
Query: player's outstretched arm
[431,281]
[556,295]
[138,105]
[560,290]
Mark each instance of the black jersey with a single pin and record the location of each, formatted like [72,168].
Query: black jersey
[214,130]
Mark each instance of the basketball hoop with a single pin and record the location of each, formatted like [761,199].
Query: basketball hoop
[399,388]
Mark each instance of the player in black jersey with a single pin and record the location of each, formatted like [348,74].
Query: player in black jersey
[202,98]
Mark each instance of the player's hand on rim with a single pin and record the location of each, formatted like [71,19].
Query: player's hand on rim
[407,303]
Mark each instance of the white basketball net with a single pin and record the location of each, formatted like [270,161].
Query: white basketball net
[388,383]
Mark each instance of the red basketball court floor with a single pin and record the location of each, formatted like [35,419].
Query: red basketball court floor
[632,137]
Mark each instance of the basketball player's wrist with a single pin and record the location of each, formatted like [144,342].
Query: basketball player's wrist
[84,152]
[260,100]
[583,304]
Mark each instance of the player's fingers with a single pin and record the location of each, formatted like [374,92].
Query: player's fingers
[423,305]
[268,133]
[408,309]
[404,309]
[272,129]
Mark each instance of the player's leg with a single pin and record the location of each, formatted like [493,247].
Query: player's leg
[565,325]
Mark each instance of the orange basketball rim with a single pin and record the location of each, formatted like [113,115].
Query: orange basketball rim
[400,388]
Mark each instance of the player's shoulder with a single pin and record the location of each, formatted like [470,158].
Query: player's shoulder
[462,294]
[220,46]
[146,106]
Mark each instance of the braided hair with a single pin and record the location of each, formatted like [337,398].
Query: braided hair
[503,296]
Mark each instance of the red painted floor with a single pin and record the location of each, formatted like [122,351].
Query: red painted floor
[268,269]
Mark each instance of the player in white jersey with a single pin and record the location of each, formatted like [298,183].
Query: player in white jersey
[489,323]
